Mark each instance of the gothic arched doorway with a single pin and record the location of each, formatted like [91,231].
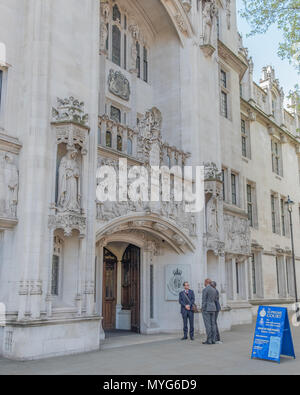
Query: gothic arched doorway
[121,289]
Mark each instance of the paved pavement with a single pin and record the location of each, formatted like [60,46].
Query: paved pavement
[162,355]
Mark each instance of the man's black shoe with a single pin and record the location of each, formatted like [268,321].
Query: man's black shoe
[207,343]
[184,338]
[192,339]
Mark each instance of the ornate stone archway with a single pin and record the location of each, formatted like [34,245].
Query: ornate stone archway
[178,12]
[158,227]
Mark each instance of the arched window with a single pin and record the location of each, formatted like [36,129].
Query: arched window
[129,147]
[115,114]
[108,140]
[138,59]
[119,143]
[116,45]
[99,136]
[145,64]
[116,14]
[169,161]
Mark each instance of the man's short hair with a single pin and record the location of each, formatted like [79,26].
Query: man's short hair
[186,282]
[214,284]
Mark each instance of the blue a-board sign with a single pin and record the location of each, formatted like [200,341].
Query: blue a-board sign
[273,336]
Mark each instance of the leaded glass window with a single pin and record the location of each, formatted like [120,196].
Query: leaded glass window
[119,143]
[116,14]
[55,276]
[138,59]
[250,204]
[273,208]
[115,114]
[108,139]
[234,189]
[224,104]
[129,147]
[145,64]
[116,45]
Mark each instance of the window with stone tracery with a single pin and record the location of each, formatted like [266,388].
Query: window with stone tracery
[129,147]
[276,157]
[224,93]
[108,139]
[56,265]
[124,42]
[246,147]
[119,143]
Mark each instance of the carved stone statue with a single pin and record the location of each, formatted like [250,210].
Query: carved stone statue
[209,14]
[69,183]
[212,216]
[105,11]
[119,85]
[103,36]
[9,182]
[133,56]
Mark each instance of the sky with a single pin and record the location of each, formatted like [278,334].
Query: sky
[263,49]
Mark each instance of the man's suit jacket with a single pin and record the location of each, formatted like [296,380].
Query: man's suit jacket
[183,301]
[209,298]
[218,306]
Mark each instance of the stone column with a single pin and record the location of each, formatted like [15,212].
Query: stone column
[145,288]
[103,132]
[234,279]
[222,279]
[32,234]
[119,292]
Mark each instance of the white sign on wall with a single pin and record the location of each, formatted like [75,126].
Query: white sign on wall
[176,275]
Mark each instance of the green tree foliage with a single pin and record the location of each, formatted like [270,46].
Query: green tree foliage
[285,14]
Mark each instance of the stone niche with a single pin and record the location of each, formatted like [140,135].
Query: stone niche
[70,124]
[9,181]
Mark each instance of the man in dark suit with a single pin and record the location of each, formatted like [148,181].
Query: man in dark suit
[219,308]
[186,301]
[209,309]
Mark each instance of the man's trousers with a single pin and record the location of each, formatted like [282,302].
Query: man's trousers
[209,319]
[188,316]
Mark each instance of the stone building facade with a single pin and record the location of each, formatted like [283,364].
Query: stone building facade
[86,83]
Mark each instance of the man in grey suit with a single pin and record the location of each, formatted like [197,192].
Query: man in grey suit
[219,308]
[209,309]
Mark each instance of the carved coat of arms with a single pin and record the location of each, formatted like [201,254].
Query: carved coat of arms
[175,282]
[118,85]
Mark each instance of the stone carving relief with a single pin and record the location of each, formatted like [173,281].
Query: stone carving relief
[118,85]
[187,5]
[70,110]
[228,13]
[150,150]
[210,11]
[214,238]
[180,23]
[105,11]
[212,172]
[237,235]
[212,216]
[68,222]
[135,33]
[9,185]
[103,36]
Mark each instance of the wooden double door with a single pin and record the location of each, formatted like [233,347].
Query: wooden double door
[130,287]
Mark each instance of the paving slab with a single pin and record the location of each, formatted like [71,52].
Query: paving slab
[163,355]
